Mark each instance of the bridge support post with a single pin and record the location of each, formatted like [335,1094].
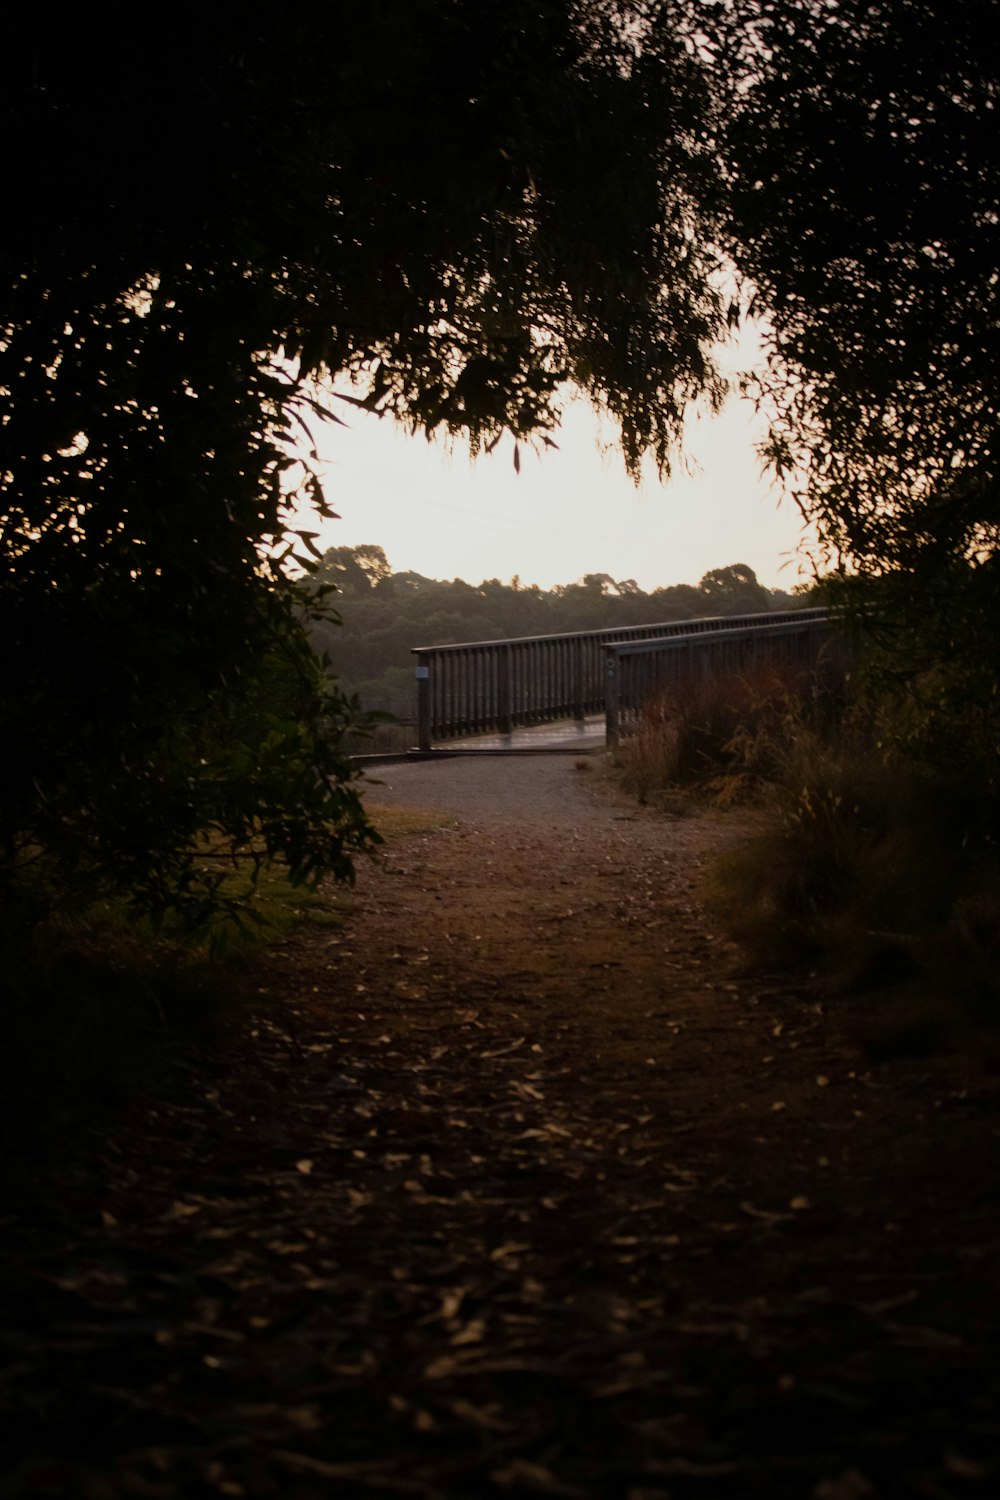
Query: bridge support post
[505,707]
[423,675]
[579,687]
[611,697]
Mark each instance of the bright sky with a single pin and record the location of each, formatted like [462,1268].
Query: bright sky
[567,513]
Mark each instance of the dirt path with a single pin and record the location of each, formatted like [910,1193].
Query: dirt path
[511,1189]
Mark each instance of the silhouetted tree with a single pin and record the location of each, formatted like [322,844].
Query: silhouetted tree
[459,206]
[733,591]
[354,571]
[865,211]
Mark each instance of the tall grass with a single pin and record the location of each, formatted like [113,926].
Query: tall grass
[726,736]
[879,869]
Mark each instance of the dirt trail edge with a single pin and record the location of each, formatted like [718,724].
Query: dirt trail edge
[511,1189]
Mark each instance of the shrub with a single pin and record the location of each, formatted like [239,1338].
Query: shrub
[873,865]
[727,735]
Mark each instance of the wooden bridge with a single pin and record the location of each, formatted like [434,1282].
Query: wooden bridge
[494,687]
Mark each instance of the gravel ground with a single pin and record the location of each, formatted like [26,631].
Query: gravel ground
[512,1185]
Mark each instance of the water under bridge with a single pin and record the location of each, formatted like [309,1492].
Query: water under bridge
[588,687]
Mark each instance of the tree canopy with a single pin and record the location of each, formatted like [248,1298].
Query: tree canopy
[865,212]
[864,209]
[456,207]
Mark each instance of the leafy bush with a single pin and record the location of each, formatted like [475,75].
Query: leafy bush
[864,860]
[182,811]
[854,852]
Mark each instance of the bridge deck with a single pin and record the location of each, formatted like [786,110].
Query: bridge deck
[566,734]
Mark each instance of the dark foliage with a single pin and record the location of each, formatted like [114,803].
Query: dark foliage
[866,213]
[459,206]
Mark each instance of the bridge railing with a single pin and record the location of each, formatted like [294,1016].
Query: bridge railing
[484,687]
[637,672]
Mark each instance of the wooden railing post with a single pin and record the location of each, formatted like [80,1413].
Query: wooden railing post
[579,686]
[423,675]
[611,696]
[505,719]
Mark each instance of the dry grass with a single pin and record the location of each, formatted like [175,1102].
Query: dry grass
[861,864]
[725,736]
[395,822]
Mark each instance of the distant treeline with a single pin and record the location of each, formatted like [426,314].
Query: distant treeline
[386,614]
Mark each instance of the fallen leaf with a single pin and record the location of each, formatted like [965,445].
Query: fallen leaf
[763,1213]
[502,1051]
[852,1485]
[179,1210]
[487,1417]
[512,1247]
[471,1333]
[964,1468]
[519,1472]
[452,1298]
[915,1336]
